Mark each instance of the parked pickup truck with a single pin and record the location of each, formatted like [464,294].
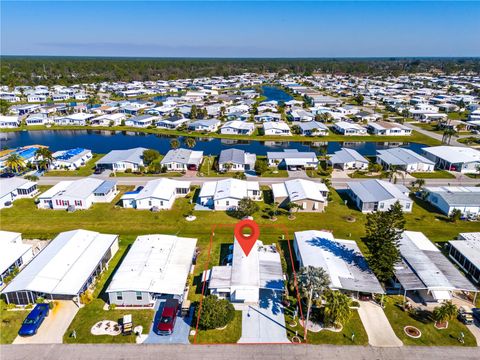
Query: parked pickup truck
[166,324]
[33,320]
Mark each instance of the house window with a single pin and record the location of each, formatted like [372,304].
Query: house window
[227,203]
[119,296]
[381,205]
[161,203]
[407,206]
[139,295]
[149,202]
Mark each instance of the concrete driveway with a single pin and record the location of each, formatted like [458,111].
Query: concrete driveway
[54,326]
[377,326]
[180,332]
[264,323]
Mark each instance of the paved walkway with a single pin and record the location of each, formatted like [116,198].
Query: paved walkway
[232,352]
[264,323]
[54,325]
[375,322]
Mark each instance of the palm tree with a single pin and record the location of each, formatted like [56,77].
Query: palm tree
[447,135]
[43,164]
[190,142]
[174,143]
[311,282]
[15,163]
[394,170]
[445,312]
[44,154]
[337,308]
[293,206]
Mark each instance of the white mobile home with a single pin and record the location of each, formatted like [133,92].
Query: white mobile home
[404,159]
[225,194]
[77,195]
[15,253]
[155,265]
[121,160]
[378,195]
[64,269]
[15,188]
[157,194]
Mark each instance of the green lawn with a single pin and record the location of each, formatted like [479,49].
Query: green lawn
[422,321]
[365,175]
[207,169]
[93,312]
[231,334]
[24,217]
[415,137]
[437,174]
[274,172]
[10,322]
[86,170]
[344,337]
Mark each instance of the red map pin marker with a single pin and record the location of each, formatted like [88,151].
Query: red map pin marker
[247,241]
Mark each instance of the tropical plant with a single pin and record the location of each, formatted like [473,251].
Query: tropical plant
[445,312]
[393,171]
[455,215]
[291,206]
[44,154]
[448,134]
[312,282]
[15,163]
[4,106]
[336,309]
[215,313]
[261,166]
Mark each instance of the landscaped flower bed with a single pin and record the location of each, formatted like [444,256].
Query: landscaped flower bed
[412,331]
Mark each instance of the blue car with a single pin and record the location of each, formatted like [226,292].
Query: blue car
[33,320]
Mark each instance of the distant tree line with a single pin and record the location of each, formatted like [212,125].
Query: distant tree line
[16,70]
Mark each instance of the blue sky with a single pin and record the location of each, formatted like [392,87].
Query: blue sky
[240,29]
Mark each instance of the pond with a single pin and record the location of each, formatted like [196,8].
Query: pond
[275,93]
[101,141]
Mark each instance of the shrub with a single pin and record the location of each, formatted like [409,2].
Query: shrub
[39,300]
[215,313]
[112,307]
[11,306]
[29,306]
[86,298]
[246,207]
[51,305]
[128,171]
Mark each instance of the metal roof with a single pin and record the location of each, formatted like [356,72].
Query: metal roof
[134,156]
[12,184]
[11,248]
[346,155]
[236,156]
[155,263]
[401,156]
[341,259]
[161,189]
[423,266]
[457,195]
[183,156]
[454,154]
[470,249]
[65,264]
[374,190]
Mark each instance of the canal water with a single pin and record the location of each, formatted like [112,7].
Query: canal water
[100,141]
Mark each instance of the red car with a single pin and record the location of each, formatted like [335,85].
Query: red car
[166,324]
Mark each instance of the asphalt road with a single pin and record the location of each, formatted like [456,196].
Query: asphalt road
[337,183]
[232,352]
